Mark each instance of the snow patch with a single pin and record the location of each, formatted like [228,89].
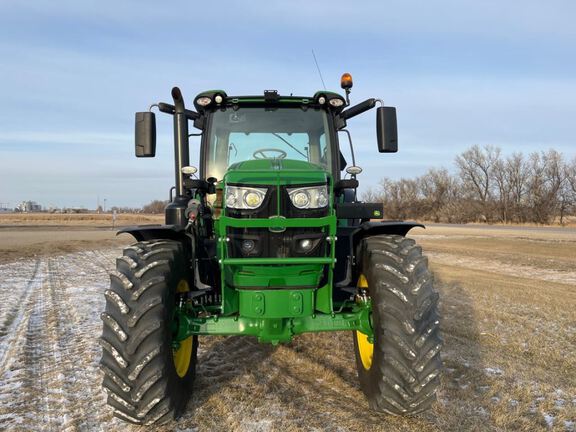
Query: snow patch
[493,371]
[549,419]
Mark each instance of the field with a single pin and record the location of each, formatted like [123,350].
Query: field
[508,318]
[35,234]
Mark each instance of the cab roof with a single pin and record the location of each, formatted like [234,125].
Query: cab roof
[268,98]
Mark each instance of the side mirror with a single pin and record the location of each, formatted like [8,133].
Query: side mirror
[387,129]
[145,134]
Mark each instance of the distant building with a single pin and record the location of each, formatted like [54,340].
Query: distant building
[29,207]
[75,210]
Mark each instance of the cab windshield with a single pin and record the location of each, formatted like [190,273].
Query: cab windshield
[264,133]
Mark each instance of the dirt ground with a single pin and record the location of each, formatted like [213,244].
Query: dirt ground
[41,234]
[508,320]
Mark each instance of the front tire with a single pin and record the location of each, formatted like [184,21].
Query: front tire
[399,372]
[146,379]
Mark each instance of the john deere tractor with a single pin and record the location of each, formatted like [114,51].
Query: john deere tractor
[267,238]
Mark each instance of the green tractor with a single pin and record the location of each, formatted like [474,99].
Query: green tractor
[268,239]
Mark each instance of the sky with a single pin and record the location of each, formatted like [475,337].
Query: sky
[461,73]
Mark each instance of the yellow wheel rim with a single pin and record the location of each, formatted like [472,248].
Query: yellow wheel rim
[365,348]
[182,286]
[183,354]
[182,357]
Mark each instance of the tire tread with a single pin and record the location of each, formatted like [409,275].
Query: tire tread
[404,375]
[138,372]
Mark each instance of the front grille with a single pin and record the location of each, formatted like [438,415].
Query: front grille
[262,243]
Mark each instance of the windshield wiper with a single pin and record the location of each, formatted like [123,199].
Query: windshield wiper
[291,146]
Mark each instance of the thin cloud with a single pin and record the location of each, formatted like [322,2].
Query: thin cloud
[460,72]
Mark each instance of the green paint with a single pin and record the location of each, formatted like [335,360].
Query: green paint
[274,298]
[273,329]
[275,273]
[256,273]
[276,303]
[270,172]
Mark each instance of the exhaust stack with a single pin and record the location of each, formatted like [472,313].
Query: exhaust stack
[181,153]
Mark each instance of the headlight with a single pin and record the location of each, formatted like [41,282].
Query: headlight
[203,101]
[309,197]
[244,197]
[336,102]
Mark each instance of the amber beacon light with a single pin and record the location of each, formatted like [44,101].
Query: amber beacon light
[346,81]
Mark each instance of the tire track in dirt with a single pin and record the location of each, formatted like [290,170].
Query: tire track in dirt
[15,303]
[12,375]
[50,380]
[71,350]
[46,360]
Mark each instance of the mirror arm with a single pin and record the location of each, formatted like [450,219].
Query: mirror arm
[171,109]
[166,108]
[358,109]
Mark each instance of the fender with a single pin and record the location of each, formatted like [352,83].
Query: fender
[350,238]
[387,227]
[154,232]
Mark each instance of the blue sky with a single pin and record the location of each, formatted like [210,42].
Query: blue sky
[72,74]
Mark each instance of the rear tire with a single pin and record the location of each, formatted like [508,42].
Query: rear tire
[144,383]
[399,372]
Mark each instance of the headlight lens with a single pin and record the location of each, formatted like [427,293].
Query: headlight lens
[301,199]
[309,197]
[336,102]
[203,101]
[244,197]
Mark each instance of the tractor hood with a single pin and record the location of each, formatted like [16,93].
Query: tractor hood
[275,171]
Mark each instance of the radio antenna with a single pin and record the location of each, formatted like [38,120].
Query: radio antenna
[318,67]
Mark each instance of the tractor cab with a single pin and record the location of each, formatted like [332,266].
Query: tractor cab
[273,128]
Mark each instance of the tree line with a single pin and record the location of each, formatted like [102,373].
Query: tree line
[155,207]
[485,187]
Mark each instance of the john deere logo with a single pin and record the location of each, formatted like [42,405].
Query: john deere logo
[377,213]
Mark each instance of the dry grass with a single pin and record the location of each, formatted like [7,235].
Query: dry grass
[508,302]
[509,363]
[509,328]
[510,353]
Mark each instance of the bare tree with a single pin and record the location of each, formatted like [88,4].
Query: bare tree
[517,173]
[568,190]
[544,184]
[437,189]
[400,198]
[476,166]
[510,178]
[571,175]
[371,195]
[155,207]
[538,189]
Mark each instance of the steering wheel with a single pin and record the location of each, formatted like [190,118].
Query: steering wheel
[261,154]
